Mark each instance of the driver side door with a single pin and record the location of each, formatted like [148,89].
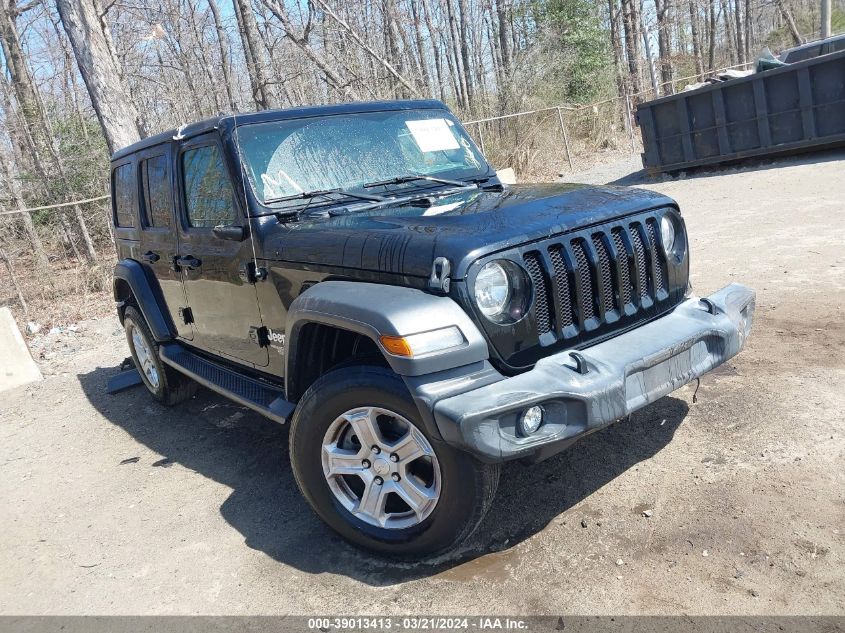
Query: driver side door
[223,304]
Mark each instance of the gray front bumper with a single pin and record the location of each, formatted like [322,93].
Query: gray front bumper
[624,374]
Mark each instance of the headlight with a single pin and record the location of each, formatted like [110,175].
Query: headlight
[667,233]
[492,290]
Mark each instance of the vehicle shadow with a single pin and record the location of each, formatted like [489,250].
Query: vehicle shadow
[248,453]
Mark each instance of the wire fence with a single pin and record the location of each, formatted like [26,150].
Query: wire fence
[55,206]
[542,143]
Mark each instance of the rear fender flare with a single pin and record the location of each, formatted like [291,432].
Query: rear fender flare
[147,296]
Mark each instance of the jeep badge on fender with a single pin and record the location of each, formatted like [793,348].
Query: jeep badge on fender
[359,272]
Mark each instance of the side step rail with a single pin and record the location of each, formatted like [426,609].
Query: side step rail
[265,398]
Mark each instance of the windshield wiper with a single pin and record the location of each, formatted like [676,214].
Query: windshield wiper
[324,193]
[411,178]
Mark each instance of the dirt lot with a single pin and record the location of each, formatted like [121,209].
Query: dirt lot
[115,505]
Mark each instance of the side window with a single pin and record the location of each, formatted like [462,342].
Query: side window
[155,184]
[837,45]
[122,186]
[208,192]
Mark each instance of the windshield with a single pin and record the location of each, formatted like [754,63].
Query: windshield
[348,151]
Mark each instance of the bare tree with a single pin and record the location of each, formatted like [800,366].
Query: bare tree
[89,36]
[664,43]
[256,59]
[370,51]
[630,21]
[223,44]
[696,39]
[790,21]
[300,39]
[14,188]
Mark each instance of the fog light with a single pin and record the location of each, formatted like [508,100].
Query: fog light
[530,420]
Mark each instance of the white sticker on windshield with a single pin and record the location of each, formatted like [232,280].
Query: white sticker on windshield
[432,135]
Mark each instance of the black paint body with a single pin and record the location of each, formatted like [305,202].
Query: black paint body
[390,245]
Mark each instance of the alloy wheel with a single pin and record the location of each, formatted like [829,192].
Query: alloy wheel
[381,468]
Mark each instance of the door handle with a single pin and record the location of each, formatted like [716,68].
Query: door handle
[150,257]
[188,261]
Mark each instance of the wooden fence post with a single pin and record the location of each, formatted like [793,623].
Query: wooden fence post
[565,138]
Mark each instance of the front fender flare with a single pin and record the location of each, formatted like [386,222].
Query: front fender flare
[374,310]
[146,295]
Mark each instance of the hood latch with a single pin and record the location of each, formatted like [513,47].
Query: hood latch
[439,280]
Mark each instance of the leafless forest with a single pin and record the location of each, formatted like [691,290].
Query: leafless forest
[81,78]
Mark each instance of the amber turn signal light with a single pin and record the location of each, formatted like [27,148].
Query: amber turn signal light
[423,343]
[396,345]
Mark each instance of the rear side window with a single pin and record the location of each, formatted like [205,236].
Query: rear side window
[155,183]
[122,186]
[837,45]
[208,192]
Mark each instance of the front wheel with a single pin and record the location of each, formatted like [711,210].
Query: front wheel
[362,459]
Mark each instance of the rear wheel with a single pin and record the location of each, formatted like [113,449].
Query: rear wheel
[362,459]
[166,385]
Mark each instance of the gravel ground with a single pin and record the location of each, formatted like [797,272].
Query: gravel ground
[116,505]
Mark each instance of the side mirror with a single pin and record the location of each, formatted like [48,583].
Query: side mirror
[231,232]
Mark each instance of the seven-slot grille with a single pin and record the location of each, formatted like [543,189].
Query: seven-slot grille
[597,277]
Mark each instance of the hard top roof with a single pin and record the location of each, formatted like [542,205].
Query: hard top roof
[227,120]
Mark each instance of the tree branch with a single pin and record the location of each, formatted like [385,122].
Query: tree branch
[367,47]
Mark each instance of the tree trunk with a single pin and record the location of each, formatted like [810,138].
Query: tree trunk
[21,79]
[729,32]
[740,46]
[384,62]
[664,44]
[616,44]
[464,46]
[302,43]
[395,73]
[711,33]
[438,62]
[37,132]
[696,39]
[790,22]
[748,30]
[254,54]
[100,72]
[421,51]
[223,44]
[29,227]
[14,279]
[454,49]
[632,47]
[504,40]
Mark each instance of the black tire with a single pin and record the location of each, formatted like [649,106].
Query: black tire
[173,387]
[467,485]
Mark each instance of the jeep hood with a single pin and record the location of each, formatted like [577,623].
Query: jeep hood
[405,239]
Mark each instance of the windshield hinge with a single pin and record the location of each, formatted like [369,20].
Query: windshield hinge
[439,280]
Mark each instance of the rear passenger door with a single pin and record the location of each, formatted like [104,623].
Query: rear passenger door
[159,237]
[223,303]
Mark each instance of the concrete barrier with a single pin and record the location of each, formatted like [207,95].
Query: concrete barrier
[16,364]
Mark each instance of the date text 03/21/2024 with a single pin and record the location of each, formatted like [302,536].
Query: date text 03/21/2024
[433,623]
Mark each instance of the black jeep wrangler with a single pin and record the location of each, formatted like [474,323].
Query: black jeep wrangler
[360,271]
